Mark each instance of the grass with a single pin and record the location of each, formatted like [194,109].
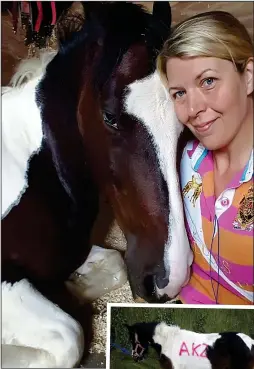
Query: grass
[198,320]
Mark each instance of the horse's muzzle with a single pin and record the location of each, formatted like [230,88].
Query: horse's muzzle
[148,294]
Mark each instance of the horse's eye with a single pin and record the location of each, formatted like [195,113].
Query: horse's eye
[110,120]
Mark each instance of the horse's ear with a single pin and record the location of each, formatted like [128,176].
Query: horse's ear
[70,22]
[93,9]
[162,12]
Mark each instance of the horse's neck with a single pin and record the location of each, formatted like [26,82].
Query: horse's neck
[171,333]
[21,137]
[30,69]
[20,116]
[166,335]
[19,103]
[146,330]
[19,100]
[149,330]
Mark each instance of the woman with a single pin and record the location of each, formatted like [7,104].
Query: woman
[207,65]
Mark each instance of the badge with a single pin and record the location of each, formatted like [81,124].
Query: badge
[196,187]
[244,218]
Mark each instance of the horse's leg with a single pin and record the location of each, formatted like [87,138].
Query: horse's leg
[166,363]
[29,319]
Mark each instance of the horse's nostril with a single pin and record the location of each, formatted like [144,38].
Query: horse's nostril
[150,283]
[164,299]
[161,280]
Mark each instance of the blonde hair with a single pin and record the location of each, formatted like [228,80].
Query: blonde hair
[212,34]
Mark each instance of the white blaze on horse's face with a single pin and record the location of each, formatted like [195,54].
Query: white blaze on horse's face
[149,101]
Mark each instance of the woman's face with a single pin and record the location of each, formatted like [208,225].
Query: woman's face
[210,97]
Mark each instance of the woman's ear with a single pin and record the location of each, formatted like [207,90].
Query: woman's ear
[249,78]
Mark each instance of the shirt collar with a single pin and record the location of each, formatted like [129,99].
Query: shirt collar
[198,153]
[248,170]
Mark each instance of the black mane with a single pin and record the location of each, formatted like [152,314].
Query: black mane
[116,26]
[146,328]
[126,21]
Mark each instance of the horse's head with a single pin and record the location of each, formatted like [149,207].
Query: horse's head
[129,134]
[141,336]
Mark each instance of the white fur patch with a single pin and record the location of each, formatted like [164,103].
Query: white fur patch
[36,332]
[21,129]
[149,101]
[184,348]
[24,357]
[246,339]
[21,137]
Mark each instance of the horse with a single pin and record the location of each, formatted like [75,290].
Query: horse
[41,320]
[137,168]
[182,349]
[128,137]
[104,123]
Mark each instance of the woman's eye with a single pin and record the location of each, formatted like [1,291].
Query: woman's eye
[208,82]
[110,120]
[178,94]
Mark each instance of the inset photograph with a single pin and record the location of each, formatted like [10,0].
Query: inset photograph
[180,337]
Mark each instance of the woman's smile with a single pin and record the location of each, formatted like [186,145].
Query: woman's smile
[204,128]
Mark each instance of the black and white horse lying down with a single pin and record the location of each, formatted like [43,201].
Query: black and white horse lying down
[182,349]
[80,127]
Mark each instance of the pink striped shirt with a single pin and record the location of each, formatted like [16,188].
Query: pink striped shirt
[220,231]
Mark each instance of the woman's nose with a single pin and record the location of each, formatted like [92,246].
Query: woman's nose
[195,103]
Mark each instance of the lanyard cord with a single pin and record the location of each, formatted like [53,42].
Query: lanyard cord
[218,272]
[210,264]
